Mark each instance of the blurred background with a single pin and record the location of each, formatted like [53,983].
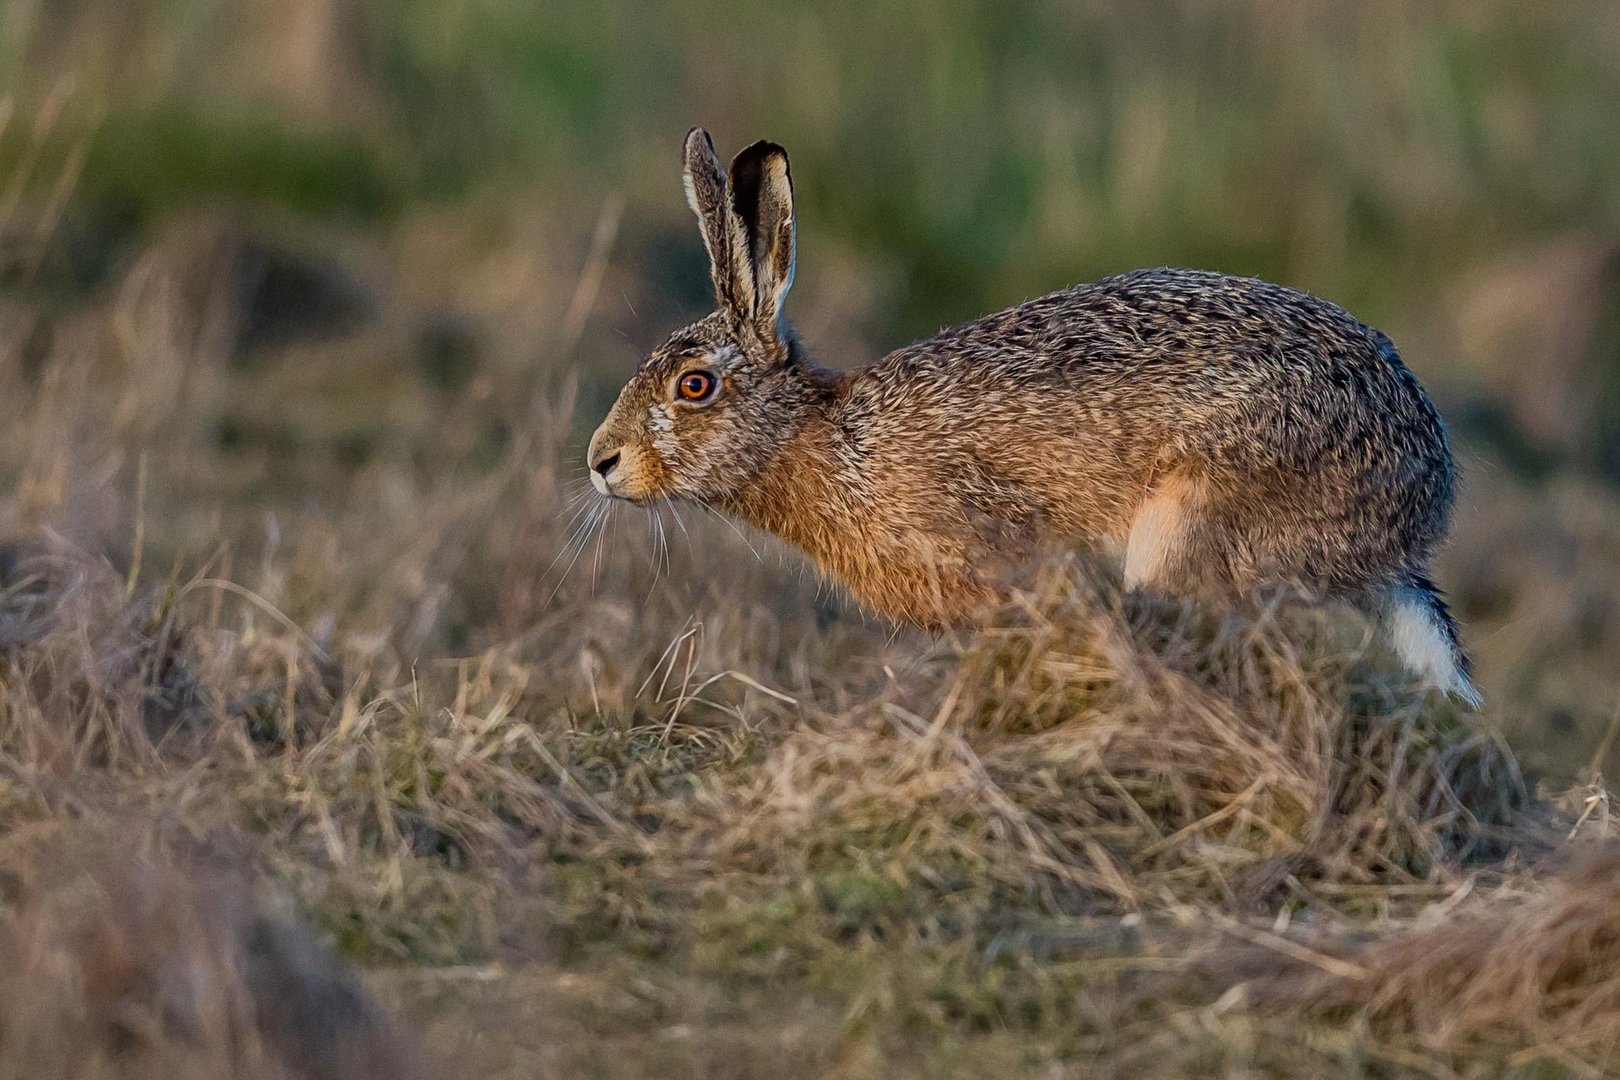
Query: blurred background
[277,275]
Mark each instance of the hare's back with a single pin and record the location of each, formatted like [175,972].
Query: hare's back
[1242,364]
[1172,324]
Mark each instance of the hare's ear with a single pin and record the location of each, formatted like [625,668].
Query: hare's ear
[705,180]
[762,200]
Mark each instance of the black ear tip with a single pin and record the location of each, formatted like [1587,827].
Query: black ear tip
[752,158]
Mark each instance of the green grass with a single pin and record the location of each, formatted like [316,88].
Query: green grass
[157,162]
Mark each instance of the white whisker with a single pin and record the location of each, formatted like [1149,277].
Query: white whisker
[577,543]
[653,535]
[607,521]
[578,525]
[662,554]
[675,508]
[733,526]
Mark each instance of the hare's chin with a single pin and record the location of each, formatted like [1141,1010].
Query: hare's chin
[609,489]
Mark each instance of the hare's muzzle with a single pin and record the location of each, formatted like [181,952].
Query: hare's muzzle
[603,456]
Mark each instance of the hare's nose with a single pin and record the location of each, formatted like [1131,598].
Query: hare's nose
[602,455]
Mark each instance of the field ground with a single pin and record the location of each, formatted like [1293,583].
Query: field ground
[339,736]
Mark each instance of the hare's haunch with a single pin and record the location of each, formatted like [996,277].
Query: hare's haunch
[1223,431]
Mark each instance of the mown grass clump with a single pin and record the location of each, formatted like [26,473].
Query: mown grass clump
[1099,753]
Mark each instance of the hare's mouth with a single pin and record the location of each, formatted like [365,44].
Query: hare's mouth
[610,486]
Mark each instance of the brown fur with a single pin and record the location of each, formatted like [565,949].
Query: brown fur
[1281,438]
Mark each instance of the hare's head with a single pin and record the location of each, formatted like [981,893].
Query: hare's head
[707,410]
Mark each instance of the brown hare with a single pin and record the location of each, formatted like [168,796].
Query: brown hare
[1225,432]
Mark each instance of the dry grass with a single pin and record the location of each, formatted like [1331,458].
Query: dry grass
[1109,754]
[1532,969]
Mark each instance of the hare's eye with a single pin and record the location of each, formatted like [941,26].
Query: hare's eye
[696,386]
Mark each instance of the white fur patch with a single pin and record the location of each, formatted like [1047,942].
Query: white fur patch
[691,193]
[661,422]
[1157,530]
[1421,643]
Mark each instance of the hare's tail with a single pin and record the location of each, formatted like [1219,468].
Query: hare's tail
[1424,635]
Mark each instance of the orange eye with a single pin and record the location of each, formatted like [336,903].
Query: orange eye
[696,386]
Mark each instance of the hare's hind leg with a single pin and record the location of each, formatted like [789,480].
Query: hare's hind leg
[1158,549]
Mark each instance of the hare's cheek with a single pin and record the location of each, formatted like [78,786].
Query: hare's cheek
[661,427]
